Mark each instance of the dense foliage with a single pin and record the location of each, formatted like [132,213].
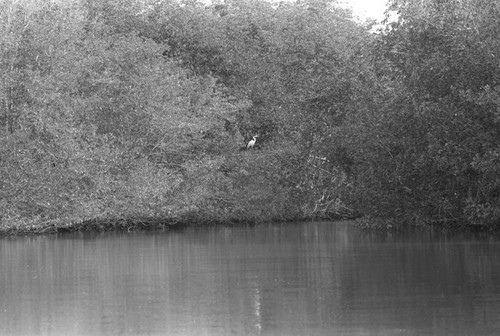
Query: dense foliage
[434,143]
[125,110]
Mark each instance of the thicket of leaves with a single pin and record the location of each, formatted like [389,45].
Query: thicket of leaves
[303,68]
[432,147]
[121,109]
[96,122]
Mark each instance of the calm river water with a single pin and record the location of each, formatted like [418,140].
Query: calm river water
[278,279]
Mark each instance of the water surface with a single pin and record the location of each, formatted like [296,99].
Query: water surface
[277,279]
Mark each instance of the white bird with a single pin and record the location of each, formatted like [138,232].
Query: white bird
[251,143]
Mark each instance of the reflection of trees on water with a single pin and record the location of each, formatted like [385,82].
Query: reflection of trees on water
[255,298]
[290,279]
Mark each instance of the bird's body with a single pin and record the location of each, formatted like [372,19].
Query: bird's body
[251,143]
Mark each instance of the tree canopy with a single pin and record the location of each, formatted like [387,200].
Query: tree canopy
[132,109]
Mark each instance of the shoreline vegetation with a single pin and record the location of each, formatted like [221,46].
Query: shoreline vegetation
[132,115]
[121,224]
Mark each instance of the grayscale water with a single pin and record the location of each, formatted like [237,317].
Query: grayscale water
[276,279]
